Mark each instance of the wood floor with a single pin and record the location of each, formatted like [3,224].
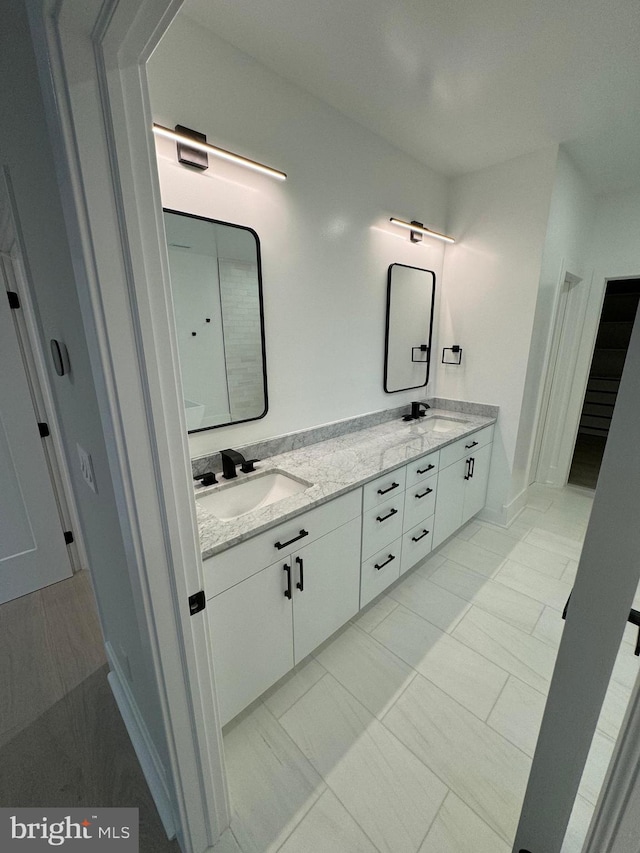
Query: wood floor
[62,740]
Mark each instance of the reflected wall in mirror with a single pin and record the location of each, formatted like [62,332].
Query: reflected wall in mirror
[216,284]
[410,299]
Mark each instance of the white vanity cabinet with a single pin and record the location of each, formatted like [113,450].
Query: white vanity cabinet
[266,618]
[383,512]
[462,482]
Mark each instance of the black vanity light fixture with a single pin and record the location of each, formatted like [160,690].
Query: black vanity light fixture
[418,230]
[192,145]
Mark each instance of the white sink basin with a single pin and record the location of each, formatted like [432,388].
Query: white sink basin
[232,500]
[438,423]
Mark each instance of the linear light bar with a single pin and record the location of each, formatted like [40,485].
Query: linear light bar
[159,130]
[418,228]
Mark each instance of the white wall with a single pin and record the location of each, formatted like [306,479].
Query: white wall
[325,237]
[567,249]
[615,245]
[489,295]
[25,151]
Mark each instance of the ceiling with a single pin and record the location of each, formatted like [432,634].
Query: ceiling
[461,84]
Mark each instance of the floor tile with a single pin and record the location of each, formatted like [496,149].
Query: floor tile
[391,794]
[294,685]
[520,654]
[370,618]
[565,546]
[539,502]
[596,767]
[430,601]
[458,829]
[569,574]
[463,674]
[524,553]
[486,771]
[614,708]
[472,556]
[549,591]
[468,530]
[518,713]
[506,603]
[578,825]
[429,564]
[271,783]
[549,627]
[328,828]
[368,670]
[226,843]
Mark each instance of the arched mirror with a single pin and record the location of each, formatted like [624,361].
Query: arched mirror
[410,301]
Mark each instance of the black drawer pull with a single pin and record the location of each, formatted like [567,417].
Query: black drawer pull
[386,563]
[287,569]
[469,446]
[390,489]
[424,494]
[300,584]
[424,470]
[388,515]
[467,476]
[418,538]
[473,467]
[301,535]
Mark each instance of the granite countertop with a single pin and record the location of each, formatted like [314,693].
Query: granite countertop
[334,467]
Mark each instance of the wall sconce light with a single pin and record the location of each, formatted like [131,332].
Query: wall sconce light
[193,145]
[417,230]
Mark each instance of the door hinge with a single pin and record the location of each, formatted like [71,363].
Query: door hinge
[14,299]
[43,429]
[197,602]
[68,537]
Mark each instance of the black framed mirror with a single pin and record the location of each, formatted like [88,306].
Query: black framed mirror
[410,305]
[216,286]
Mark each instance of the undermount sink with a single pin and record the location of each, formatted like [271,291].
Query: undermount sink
[232,500]
[438,423]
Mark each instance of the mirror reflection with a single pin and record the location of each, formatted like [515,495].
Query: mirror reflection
[410,298]
[216,285]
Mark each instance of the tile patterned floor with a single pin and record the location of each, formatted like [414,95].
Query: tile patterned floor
[413,728]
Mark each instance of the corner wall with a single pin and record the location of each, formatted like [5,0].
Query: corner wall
[325,237]
[491,276]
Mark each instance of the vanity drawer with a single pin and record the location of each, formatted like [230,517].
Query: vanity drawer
[384,488]
[241,561]
[419,502]
[426,466]
[379,571]
[464,446]
[416,544]
[382,525]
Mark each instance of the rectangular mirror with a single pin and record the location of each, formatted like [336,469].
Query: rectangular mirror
[216,285]
[410,298]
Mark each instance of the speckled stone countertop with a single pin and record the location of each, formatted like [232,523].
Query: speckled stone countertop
[334,467]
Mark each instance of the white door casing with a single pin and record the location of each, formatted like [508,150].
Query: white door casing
[33,553]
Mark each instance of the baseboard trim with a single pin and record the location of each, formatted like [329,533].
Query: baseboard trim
[507,513]
[141,741]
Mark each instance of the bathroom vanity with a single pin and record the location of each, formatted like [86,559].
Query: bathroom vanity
[367,506]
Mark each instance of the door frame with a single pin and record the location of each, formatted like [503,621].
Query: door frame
[12,248]
[91,59]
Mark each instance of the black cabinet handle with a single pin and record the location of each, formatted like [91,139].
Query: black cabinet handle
[388,515]
[424,494]
[390,489]
[386,563]
[287,569]
[300,584]
[473,467]
[300,535]
[424,470]
[469,446]
[467,476]
[418,538]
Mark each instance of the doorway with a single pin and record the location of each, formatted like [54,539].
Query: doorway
[614,331]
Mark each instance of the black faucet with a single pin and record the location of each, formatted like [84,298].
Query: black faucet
[231,458]
[206,479]
[416,411]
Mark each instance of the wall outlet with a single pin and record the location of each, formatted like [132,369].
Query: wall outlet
[86,467]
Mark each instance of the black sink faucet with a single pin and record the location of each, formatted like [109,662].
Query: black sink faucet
[232,458]
[416,411]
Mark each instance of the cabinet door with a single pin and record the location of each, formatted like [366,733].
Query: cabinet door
[326,586]
[251,632]
[476,487]
[449,505]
